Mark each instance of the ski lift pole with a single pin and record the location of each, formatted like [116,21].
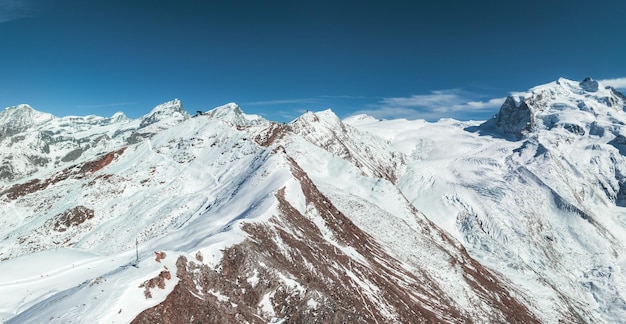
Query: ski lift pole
[136,252]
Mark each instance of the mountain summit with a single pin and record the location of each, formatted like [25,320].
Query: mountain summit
[169,113]
[232,114]
[20,118]
[227,217]
[575,106]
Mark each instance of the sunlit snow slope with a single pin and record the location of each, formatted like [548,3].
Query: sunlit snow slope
[536,193]
[227,217]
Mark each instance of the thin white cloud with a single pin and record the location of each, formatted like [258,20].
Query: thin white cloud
[434,99]
[282,102]
[451,103]
[489,104]
[325,99]
[397,113]
[13,9]
[346,97]
[106,105]
[619,83]
[290,114]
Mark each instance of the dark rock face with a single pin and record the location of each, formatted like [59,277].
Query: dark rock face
[619,142]
[7,173]
[514,118]
[589,85]
[574,128]
[618,95]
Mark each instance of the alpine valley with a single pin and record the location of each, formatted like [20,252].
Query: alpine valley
[226,217]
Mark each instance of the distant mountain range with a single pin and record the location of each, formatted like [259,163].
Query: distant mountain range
[225,217]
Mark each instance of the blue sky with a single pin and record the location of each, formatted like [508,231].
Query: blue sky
[391,59]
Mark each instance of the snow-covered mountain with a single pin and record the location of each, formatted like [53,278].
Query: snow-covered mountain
[227,217]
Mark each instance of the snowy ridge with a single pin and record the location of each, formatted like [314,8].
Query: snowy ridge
[517,219]
[543,207]
[371,155]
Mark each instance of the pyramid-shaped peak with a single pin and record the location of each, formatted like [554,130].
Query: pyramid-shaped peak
[229,108]
[231,113]
[170,113]
[328,113]
[172,105]
[21,109]
[327,117]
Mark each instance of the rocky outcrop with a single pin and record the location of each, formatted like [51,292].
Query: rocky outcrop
[158,256]
[274,132]
[72,218]
[156,282]
[589,85]
[515,117]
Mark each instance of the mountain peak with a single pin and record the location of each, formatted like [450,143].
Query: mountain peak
[229,108]
[231,113]
[170,112]
[327,115]
[16,119]
[119,117]
[172,105]
[21,109]
[359,118]
[587,85]
[21,106]
[574,106]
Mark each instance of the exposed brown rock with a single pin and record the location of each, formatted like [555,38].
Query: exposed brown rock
[159,256]
[271,134]
[76,171]
[72,217]
[100,163]
[185,304]
[105,177]
[158,281]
